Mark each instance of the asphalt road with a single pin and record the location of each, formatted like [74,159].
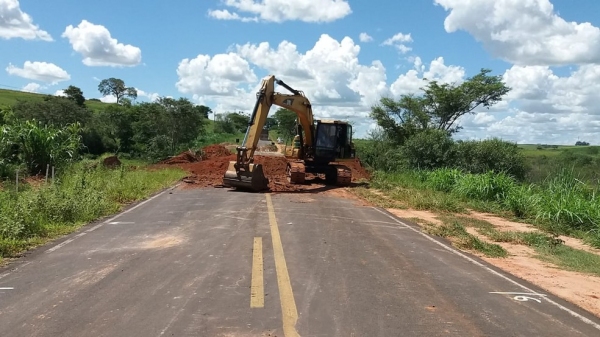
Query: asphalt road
[219,263]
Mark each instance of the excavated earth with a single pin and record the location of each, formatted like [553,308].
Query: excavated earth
[207,167]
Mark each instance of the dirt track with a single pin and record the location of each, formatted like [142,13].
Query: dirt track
[207,169]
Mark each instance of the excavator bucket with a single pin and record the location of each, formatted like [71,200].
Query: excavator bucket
[252,179]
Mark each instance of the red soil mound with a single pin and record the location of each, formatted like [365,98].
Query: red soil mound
[213,151]
[209,170]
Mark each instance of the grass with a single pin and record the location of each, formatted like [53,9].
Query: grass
[562,205]
[10,97]
[465,240]
[548,247]
[85,192]
[412,190]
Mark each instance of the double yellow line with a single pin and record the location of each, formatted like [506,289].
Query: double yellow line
[289,312]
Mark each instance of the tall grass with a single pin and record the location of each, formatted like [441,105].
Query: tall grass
[84,192]
[562,204]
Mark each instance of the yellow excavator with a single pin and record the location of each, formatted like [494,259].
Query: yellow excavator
[319,146]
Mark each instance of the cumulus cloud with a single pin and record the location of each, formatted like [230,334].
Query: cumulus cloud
[14,23]
[32,87]
[283,10]
[544,107]
[152,96]
[539,90]
[108,99]
[99,48]
[40,71]
[399,41]
[524,32]
[329,73]
[412,81]
[217,75]
[364,37]
[60,92]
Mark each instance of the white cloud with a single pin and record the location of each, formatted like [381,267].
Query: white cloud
[364,37]
[539,90]
[284,10]
[32,87]
[40,71]
[329,73]
[108,99]
[14,23]
[60,92]
[151,96]
[99,48]
[399,41]
[524,32]
[217,75]
[414,79]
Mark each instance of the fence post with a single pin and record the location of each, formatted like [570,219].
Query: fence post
[52,175]
[47,167]
[17,180]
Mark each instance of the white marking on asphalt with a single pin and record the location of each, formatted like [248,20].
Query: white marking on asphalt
[93,228]
[108,221]
[514,293]
[121,223]
[6,288]
[60,245]
[453,250]
[15,269]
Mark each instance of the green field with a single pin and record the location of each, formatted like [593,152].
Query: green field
[533,150]
[10,97]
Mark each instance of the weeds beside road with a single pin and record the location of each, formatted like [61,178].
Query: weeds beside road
[562,205]
[83,193]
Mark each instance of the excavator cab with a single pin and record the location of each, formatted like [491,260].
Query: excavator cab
[333,141]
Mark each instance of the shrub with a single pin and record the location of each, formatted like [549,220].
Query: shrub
[429,149]
[490,155]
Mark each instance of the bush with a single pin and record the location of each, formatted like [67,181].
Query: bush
[491,155]
[429,149]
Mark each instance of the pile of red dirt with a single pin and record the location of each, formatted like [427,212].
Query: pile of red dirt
[213,151]
[184,157]
[209,170]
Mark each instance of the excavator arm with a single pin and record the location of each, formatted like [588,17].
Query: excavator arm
[243,172]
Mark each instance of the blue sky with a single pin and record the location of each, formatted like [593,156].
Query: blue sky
[215,53]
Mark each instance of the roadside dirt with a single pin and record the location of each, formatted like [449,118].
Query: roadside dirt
[578,288]
[208,167]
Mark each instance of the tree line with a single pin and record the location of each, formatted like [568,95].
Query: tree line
[58,130]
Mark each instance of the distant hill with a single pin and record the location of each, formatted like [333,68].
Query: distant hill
[10,97]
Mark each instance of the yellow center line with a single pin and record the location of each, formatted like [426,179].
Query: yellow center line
[289,313]
[257,290]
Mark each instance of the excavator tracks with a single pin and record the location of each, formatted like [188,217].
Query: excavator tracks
[296,173]
[339,175]
[343,176]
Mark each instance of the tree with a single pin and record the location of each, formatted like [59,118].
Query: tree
[202,110]
[440,106]
[75,94]
[286,123]
[116,87]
